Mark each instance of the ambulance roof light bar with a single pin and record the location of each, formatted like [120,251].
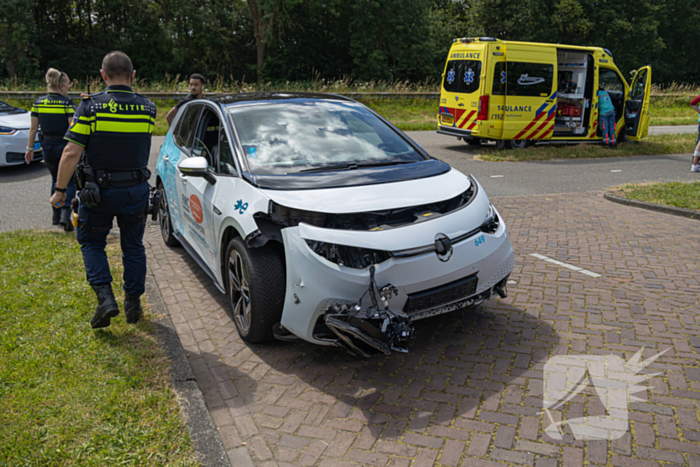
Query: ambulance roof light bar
[467,40]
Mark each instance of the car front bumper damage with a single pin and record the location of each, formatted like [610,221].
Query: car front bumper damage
[371,310]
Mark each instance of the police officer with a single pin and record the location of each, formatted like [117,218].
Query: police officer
[53,112]
[114,128]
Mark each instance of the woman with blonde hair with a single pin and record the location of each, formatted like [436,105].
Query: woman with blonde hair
[53,112]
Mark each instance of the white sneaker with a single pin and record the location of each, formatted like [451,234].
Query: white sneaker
[695,168]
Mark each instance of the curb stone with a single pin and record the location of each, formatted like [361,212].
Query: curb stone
[682,212]
[206,440]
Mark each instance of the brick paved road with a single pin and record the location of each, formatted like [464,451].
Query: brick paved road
[470,390]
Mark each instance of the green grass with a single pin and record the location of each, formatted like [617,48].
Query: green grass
[419,114]
[682,195]
[651,145]
[71,396]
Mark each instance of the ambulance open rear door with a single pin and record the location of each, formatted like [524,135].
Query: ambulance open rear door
[530,101]
[637,105]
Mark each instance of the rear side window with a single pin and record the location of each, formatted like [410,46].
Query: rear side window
[529,79]
[462,76]
[499,79]
[188,123]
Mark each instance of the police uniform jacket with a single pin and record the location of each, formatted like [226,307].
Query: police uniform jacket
[115,128]
[53,111]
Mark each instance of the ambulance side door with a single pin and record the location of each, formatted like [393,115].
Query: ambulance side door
[530,92]
[637,105]
[496,63]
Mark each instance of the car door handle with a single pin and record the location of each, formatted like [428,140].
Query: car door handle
[166,158]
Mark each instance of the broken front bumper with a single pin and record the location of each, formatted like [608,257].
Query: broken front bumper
[425,284]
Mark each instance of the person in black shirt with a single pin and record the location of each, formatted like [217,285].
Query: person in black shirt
[53,112]
[114,128]
[197,83]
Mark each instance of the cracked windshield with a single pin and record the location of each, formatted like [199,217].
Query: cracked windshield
[315,137]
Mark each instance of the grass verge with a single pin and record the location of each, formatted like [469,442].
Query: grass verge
[678,194]
[651,145]
[71,396]
[419,114]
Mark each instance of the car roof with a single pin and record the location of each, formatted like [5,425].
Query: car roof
[250,97]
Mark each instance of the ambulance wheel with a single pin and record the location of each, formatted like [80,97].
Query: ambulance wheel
[255,281]
[166,225]
[516,144]
[472,141]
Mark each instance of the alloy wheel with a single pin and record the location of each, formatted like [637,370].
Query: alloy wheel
[239,291]
[164,216]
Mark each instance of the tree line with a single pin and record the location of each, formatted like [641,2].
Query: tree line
[297,40]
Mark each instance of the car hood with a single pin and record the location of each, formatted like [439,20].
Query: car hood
[384,196]
[17,121]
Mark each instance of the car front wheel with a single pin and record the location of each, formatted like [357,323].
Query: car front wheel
[256,288]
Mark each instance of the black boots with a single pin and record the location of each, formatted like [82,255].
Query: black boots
[65,220]
[107,307]
[132,309]
[56,216]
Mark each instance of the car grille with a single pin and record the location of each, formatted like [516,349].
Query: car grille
[19,156]
[442,295]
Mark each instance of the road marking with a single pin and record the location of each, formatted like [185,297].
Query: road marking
[617,170]
[565,265]
[496,176]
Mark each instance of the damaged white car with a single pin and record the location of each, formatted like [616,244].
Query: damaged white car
[323,221]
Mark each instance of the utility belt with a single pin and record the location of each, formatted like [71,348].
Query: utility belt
[45,137]
[109,179]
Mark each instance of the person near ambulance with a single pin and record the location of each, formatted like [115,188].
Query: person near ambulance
[608,122]
[53,112]
[695,104]
[114,128]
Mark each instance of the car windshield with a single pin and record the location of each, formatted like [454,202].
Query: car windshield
[8,109]
[316,136]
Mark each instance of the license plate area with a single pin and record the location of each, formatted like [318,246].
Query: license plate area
[447,119]
[443,295]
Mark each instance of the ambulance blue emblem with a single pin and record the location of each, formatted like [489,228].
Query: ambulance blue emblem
[469,77]
[503,77]
[451,76]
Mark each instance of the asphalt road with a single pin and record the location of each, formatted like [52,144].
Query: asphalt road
[25,189]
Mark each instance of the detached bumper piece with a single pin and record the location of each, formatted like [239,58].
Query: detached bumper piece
[372,331]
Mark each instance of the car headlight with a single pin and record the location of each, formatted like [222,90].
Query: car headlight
[348,256]
[491,221]
[4,130]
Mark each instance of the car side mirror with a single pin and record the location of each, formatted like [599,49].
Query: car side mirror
[196,167]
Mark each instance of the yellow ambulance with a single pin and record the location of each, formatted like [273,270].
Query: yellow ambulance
[520,93]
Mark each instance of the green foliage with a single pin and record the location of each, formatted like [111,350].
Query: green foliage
[328,39]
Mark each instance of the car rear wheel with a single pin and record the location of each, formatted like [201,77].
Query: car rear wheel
[256,287]
[472,141]
[166,225]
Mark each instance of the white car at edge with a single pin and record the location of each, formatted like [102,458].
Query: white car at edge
[14,132]
[324,222]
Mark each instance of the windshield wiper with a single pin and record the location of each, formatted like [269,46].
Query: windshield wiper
[353,166]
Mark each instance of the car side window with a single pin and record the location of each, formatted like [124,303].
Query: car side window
[226,163]
[184,136]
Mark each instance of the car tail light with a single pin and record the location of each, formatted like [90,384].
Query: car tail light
[483,108]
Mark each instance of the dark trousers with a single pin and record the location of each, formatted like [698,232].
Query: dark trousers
[128,205]
[52,157]
[608,123]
